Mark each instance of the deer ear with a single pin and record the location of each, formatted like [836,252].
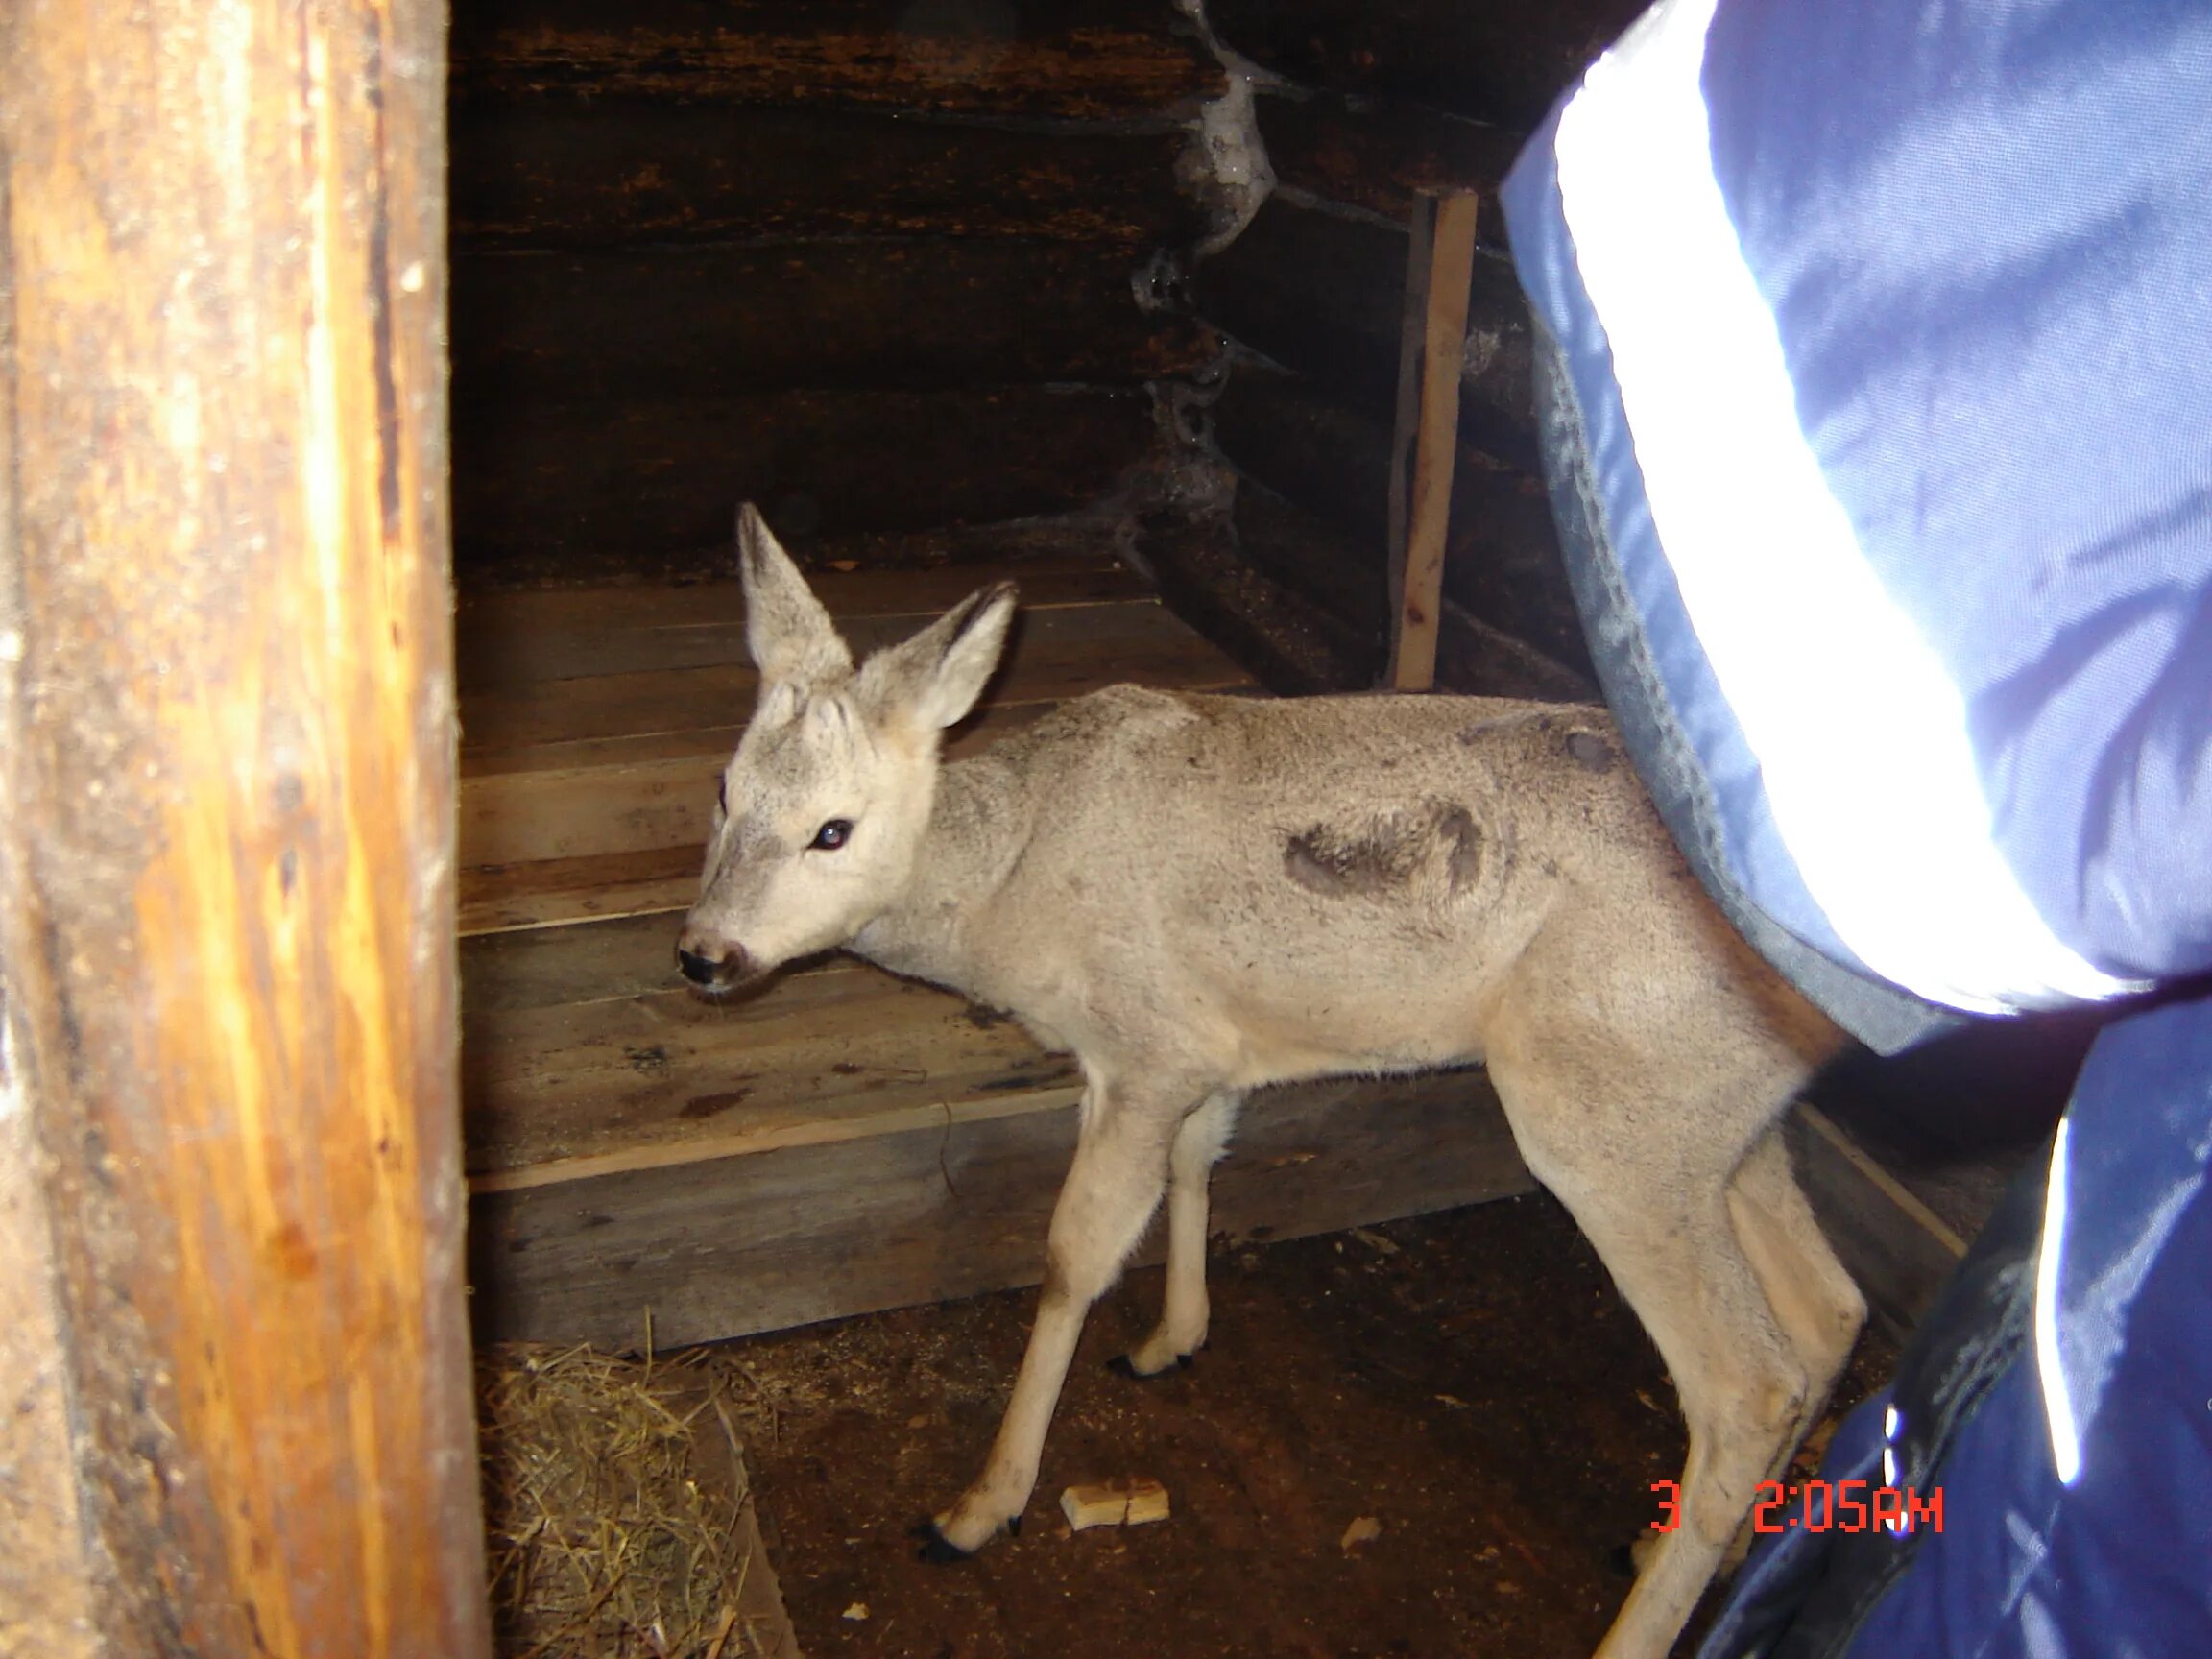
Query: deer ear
[935,678]
[791,636]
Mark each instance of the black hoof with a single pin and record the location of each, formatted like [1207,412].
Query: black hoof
[1122,1366]
[1014,1527]
[1622,1559]
[935,1545]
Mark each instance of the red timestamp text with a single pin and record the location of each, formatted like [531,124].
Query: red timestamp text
[1822,1506]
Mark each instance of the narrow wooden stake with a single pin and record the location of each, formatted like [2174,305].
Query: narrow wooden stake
[227,815]
[1413,325]
[1450,274]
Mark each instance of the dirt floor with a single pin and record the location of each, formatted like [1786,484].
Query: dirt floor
[1468,1380]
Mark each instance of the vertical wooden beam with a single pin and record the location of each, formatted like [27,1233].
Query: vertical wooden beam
[1420,591]
[227,810]
[1405,423]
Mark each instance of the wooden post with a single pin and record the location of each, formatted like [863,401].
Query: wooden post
[227,815]
[1420,588]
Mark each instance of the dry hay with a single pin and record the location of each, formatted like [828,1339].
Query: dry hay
[615,1507]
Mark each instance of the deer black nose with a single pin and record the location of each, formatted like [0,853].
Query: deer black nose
[699,970]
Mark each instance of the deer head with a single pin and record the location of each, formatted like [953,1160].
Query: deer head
[824,805]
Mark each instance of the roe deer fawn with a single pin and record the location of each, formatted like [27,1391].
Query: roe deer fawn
[1200,896]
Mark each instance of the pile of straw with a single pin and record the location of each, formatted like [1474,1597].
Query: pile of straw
[615,1504]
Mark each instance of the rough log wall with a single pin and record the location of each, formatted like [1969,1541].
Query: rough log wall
[875,265]
[1361,110]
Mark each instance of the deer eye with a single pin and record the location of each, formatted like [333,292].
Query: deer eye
[831,835]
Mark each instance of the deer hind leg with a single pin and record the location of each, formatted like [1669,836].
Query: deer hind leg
[1113,1187]
[1647,1181]
[1815,1302]
[1199,1143]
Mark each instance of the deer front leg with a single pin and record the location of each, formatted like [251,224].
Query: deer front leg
[1112,1188]
[1182,1328]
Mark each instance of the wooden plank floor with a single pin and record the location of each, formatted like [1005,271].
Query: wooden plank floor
[847,1141]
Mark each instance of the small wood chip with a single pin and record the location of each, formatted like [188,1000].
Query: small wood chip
[1364,1531]
[1115,1503]
[1375,1242]
[857,1612]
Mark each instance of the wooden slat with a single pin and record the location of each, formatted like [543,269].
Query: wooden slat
[595,171]
[736,1244]
[524,816]
[557,891]
[1058,654]
[1421,588]
[1406,408]
[570,635]
[814,1058]
[507,637]
[1091,59]
[227,890]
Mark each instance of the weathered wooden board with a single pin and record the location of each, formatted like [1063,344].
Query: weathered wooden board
[641,477]
[759,1241]
[226,857]
[1324,295]
[534,810]
[1089,59]
[1503,60]
[1057,653]
[516,637]
[1418,579]
[667,1077]
[643,640]
[666,322]
[1380,155]
[553,892]
[590,171]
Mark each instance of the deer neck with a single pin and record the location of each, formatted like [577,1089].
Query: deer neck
[979,824]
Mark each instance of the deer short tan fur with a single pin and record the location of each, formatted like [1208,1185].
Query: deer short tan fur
[1201,896]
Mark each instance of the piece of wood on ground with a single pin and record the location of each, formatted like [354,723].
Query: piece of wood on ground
[1115,1503]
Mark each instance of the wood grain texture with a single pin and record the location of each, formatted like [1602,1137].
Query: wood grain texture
[515,638]
[1068,59]
[1435,447]
[1055,654]
[228,814]
[758,1243]
[591,171]
[882,314]
[49,1583]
